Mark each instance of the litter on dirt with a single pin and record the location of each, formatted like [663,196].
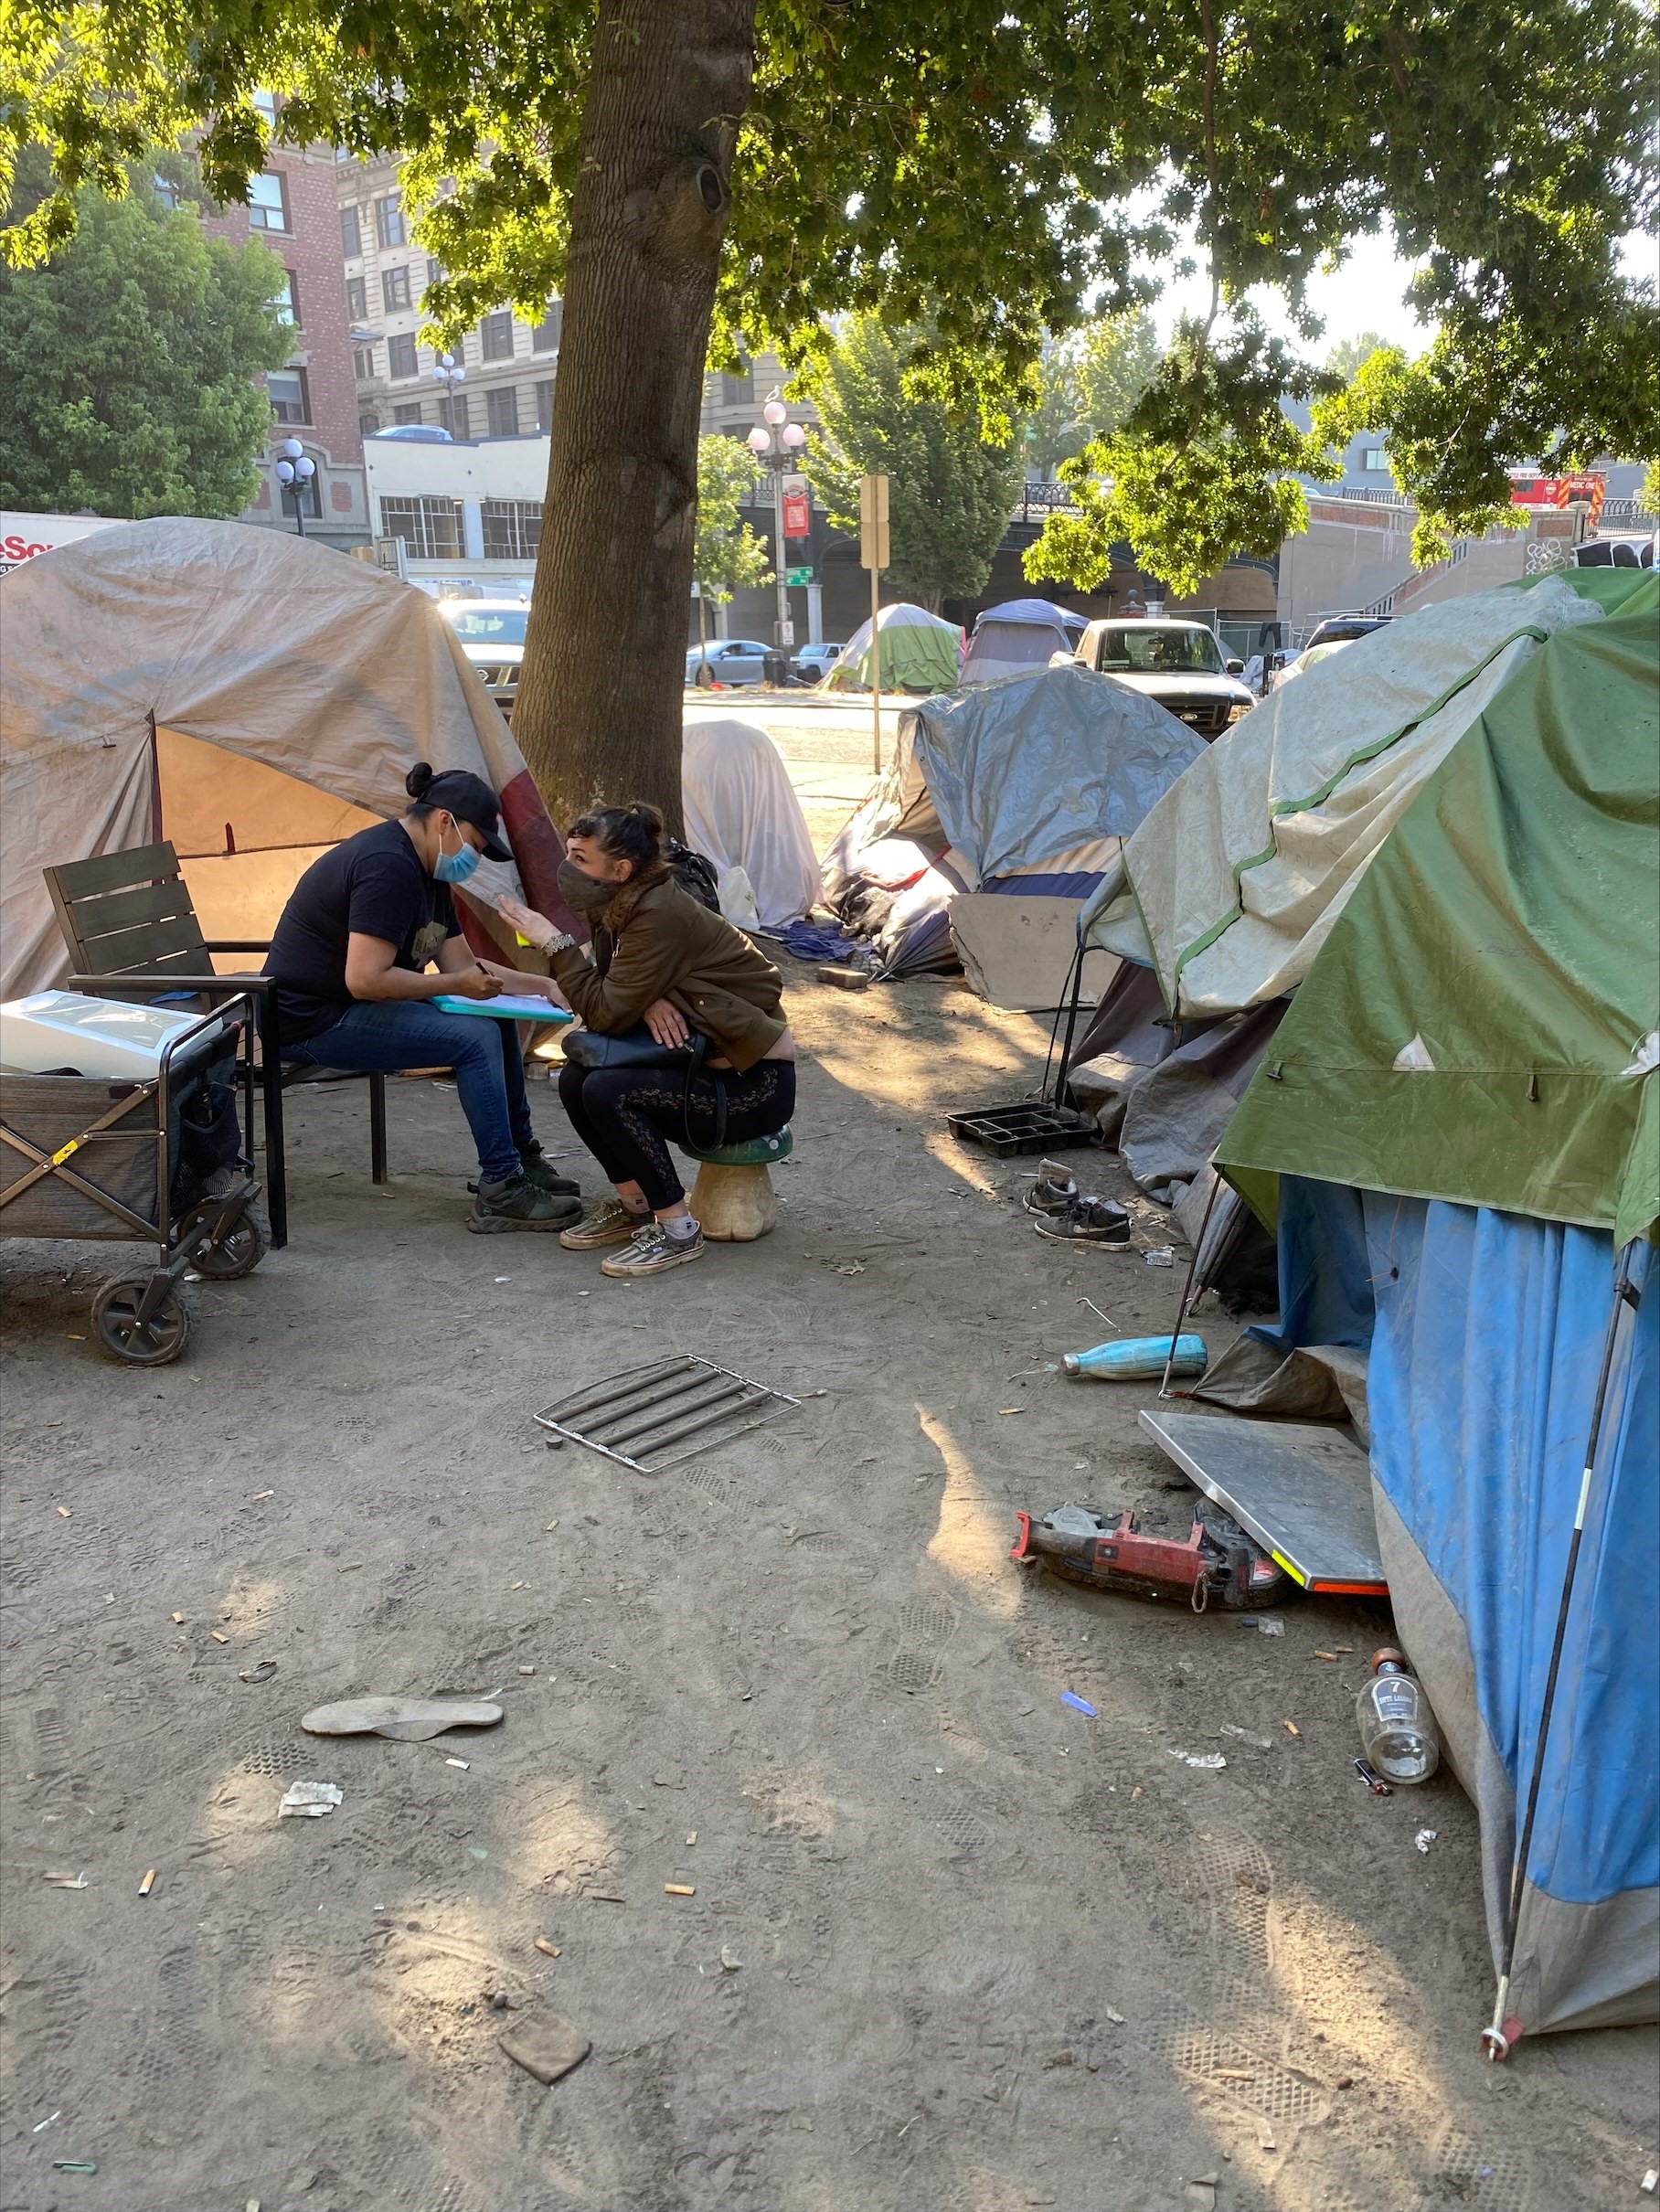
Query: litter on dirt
[404,1719]
[1079,1705]
[1290,1728]
[1423,1839]
[546,2047]
[310,1801]
[547,1949]
[1211,1761]
[730,1964]
[1257,1743]
[679,1889]
[148,1884]
[74,2166]
[1264,1625]
[179,1619]
[1161,1255]
[262,1672]
[464,1764]
[66,1881]
[217,1637]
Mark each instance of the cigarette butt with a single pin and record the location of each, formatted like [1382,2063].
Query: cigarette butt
[264,1493]
[691,1835]
[550,1525]
[1233,2073]
[1325,1655]
[148,1884]
[217,1637]
[1291,1729]
[179,1619]
[515,1585]
[62,1512]
[1003,1410]
[547,1949]
[462,1763]
[678,1890]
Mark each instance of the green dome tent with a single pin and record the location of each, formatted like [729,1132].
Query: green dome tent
[919,653]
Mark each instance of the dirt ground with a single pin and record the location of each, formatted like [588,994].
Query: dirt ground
[954,1947]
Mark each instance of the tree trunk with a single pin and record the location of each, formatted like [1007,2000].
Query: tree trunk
[598,712]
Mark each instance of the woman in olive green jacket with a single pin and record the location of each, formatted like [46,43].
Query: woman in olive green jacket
[661,958]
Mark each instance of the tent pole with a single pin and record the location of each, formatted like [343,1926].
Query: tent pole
[1192,1268]
[1075,989]
[1495,2043]
[876,665]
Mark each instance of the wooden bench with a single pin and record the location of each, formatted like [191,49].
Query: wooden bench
[733,1195]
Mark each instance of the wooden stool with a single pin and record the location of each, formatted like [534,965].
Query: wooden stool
[733,1193]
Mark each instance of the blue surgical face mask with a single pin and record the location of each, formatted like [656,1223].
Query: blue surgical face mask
[454,867]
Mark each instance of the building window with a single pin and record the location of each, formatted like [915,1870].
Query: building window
[512,528]
[168,193]
[265,103]
[363,364]
[409,413]
[400,358]
[435,271]
[287,302]
[495,336]
[544,334]
[351,234]
[544,405]
[268,203]
[394,289]
[357,299]
[430,528]
[389,221]
[738,391]
[456,414]
[1375,460]
[309,495]
[501,411]
[290,400]
[368,424]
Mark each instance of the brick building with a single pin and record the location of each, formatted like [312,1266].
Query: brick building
[510,365]
[291,208]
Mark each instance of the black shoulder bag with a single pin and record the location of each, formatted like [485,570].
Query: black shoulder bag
[637,1047]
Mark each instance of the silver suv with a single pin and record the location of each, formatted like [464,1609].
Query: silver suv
[492,635]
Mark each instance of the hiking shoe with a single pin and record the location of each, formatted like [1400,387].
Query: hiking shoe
[610,1222]
[518,1204]
[538,1171]
[1088,1221]
[1052,1191]
[651,1250]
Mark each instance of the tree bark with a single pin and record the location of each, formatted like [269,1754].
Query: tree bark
[599,706]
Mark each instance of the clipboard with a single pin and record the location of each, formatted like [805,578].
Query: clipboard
[507,1008]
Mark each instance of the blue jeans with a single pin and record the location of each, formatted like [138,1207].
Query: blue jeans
[385,1036]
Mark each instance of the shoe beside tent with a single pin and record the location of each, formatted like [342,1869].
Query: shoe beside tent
[919,653]
[742,812]
[1027,785]
[1019,635]
[1470,1077]
[248,696]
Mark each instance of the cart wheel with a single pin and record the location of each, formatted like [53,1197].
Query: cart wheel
[156,1343]
[239,1251]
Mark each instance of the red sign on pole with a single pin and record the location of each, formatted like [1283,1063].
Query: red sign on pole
[798,508]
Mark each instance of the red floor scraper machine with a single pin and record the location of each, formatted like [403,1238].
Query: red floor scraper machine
[1215,1564]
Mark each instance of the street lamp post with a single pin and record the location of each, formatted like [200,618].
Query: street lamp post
[447,372]
[779,445]
[295,469]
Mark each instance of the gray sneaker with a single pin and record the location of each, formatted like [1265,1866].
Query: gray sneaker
[519,1204]
[651,1251]
[610,1222]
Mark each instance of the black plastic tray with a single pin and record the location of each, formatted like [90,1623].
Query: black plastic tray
[1008,1130]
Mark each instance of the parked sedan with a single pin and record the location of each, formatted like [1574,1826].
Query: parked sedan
[728,661]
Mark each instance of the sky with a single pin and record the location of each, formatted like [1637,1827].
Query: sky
[1367,293]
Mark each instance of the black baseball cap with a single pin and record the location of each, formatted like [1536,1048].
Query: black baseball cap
[466,796]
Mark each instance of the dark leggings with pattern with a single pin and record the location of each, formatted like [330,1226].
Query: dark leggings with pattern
[628,1116]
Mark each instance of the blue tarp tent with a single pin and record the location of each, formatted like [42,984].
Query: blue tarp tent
[1020,633]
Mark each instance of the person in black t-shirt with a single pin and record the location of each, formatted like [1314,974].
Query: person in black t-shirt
[350,957]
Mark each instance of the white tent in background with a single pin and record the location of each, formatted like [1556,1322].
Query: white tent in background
[742,812]
[919,653]
[1019,635]
[249,696]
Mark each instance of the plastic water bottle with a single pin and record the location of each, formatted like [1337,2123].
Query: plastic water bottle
[1132,1359]
[1397,1726]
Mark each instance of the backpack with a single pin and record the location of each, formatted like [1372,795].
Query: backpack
[694,873]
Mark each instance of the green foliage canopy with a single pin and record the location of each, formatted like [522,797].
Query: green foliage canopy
[729,556]
[127,364]
[995,168]
[948,492]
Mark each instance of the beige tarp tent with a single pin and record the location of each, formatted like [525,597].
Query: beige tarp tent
[251,696]
[1233,883]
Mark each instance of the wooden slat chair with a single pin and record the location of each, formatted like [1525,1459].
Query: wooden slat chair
[131,926]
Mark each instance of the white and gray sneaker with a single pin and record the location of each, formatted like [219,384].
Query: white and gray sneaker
[653,1249]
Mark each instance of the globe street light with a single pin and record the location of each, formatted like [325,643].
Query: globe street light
[295,469]
[778,446]
[448,373]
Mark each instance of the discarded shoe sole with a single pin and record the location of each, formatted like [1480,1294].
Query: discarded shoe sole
[546,2047]
[1088,1221]
[405,1719]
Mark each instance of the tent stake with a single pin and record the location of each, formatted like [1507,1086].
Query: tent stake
[1495,2043]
